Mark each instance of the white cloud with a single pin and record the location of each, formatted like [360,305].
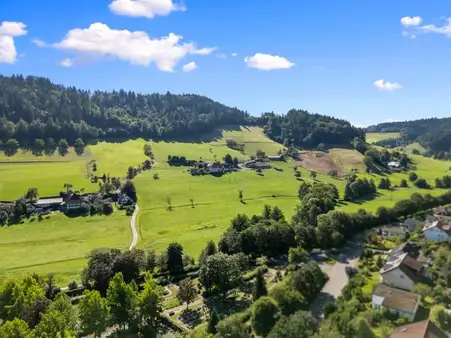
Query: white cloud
[267,62]
[445,29]
[67,62]
[391,120]
[144,8]
[221,56]
[387,86]
[8,31]
[137,47]
[408,35]
[39,43]
[234,54]
[411,21]
[189,67]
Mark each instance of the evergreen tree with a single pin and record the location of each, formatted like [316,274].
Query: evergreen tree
[259,285]
[348,195]
[212,322]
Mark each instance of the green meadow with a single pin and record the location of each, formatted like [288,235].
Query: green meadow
[60,244]
[374,137]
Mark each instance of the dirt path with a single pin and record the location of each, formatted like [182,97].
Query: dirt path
[133,227]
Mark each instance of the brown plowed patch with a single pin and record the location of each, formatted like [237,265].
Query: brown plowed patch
[318,161]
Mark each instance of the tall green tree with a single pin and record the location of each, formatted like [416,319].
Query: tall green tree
[175,258]
[16,328]
[79,146]
[230,327]
[288,298]
[259,286]
[63,147]
[265,314]
[187,291]
[150,300]
[94,313]
[122,300]
[213,322]
[300,324]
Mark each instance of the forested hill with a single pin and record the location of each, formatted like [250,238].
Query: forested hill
[302,129]
[35,108]
[432,133]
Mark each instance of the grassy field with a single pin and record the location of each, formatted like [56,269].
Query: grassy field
[49,173]
[374,137]
[60,244]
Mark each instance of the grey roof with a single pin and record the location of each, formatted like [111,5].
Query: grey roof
[397,299]
[53,200]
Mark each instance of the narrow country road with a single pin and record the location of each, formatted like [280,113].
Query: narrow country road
[182,307]
[133,227]
[338,278]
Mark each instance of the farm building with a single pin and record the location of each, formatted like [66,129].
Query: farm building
[49,202]
[402,302]
[275,157]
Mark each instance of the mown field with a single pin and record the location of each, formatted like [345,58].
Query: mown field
[60,244]
[374,137]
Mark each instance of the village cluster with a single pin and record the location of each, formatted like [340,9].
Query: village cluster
[216,167]
[405,267]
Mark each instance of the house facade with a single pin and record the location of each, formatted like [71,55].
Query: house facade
[403,303]
[73,202]
[401,271]
[436,232]
[215,167]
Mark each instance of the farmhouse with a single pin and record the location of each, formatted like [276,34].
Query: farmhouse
[394,165]
[72,202]
[124,199]
[403,303]
[215,167]
[275,157]
[401,271]
[423,329]
[49,202]
[436,232]
[442,214]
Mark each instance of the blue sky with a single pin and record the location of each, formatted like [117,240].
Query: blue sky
[332,54]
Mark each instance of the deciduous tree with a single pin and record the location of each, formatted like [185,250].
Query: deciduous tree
[94,313]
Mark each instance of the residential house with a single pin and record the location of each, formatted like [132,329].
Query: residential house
[411,224]
[412,250]
[401,271]
[72,202]
[124,199]
[394,165]
[215,167]
[423,329]
[53,202]
[393,231]
[435,231]
[402,302]
[275,157]
[443,214]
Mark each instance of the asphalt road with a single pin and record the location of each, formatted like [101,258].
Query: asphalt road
[348,256]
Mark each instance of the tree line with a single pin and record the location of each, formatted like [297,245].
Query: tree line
[302,129]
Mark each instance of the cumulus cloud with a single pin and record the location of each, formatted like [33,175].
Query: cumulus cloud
[387,86]
[221,56]
[144,8]
[445,29]
[189,67]
[267,62]
[67,62]
[234,54]
[9,31]
[409,21]
[137,48]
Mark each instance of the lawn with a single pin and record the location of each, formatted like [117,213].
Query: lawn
[59,244]
[49,173]
[375,137]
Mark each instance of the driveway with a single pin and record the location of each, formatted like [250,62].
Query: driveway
[338,278]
